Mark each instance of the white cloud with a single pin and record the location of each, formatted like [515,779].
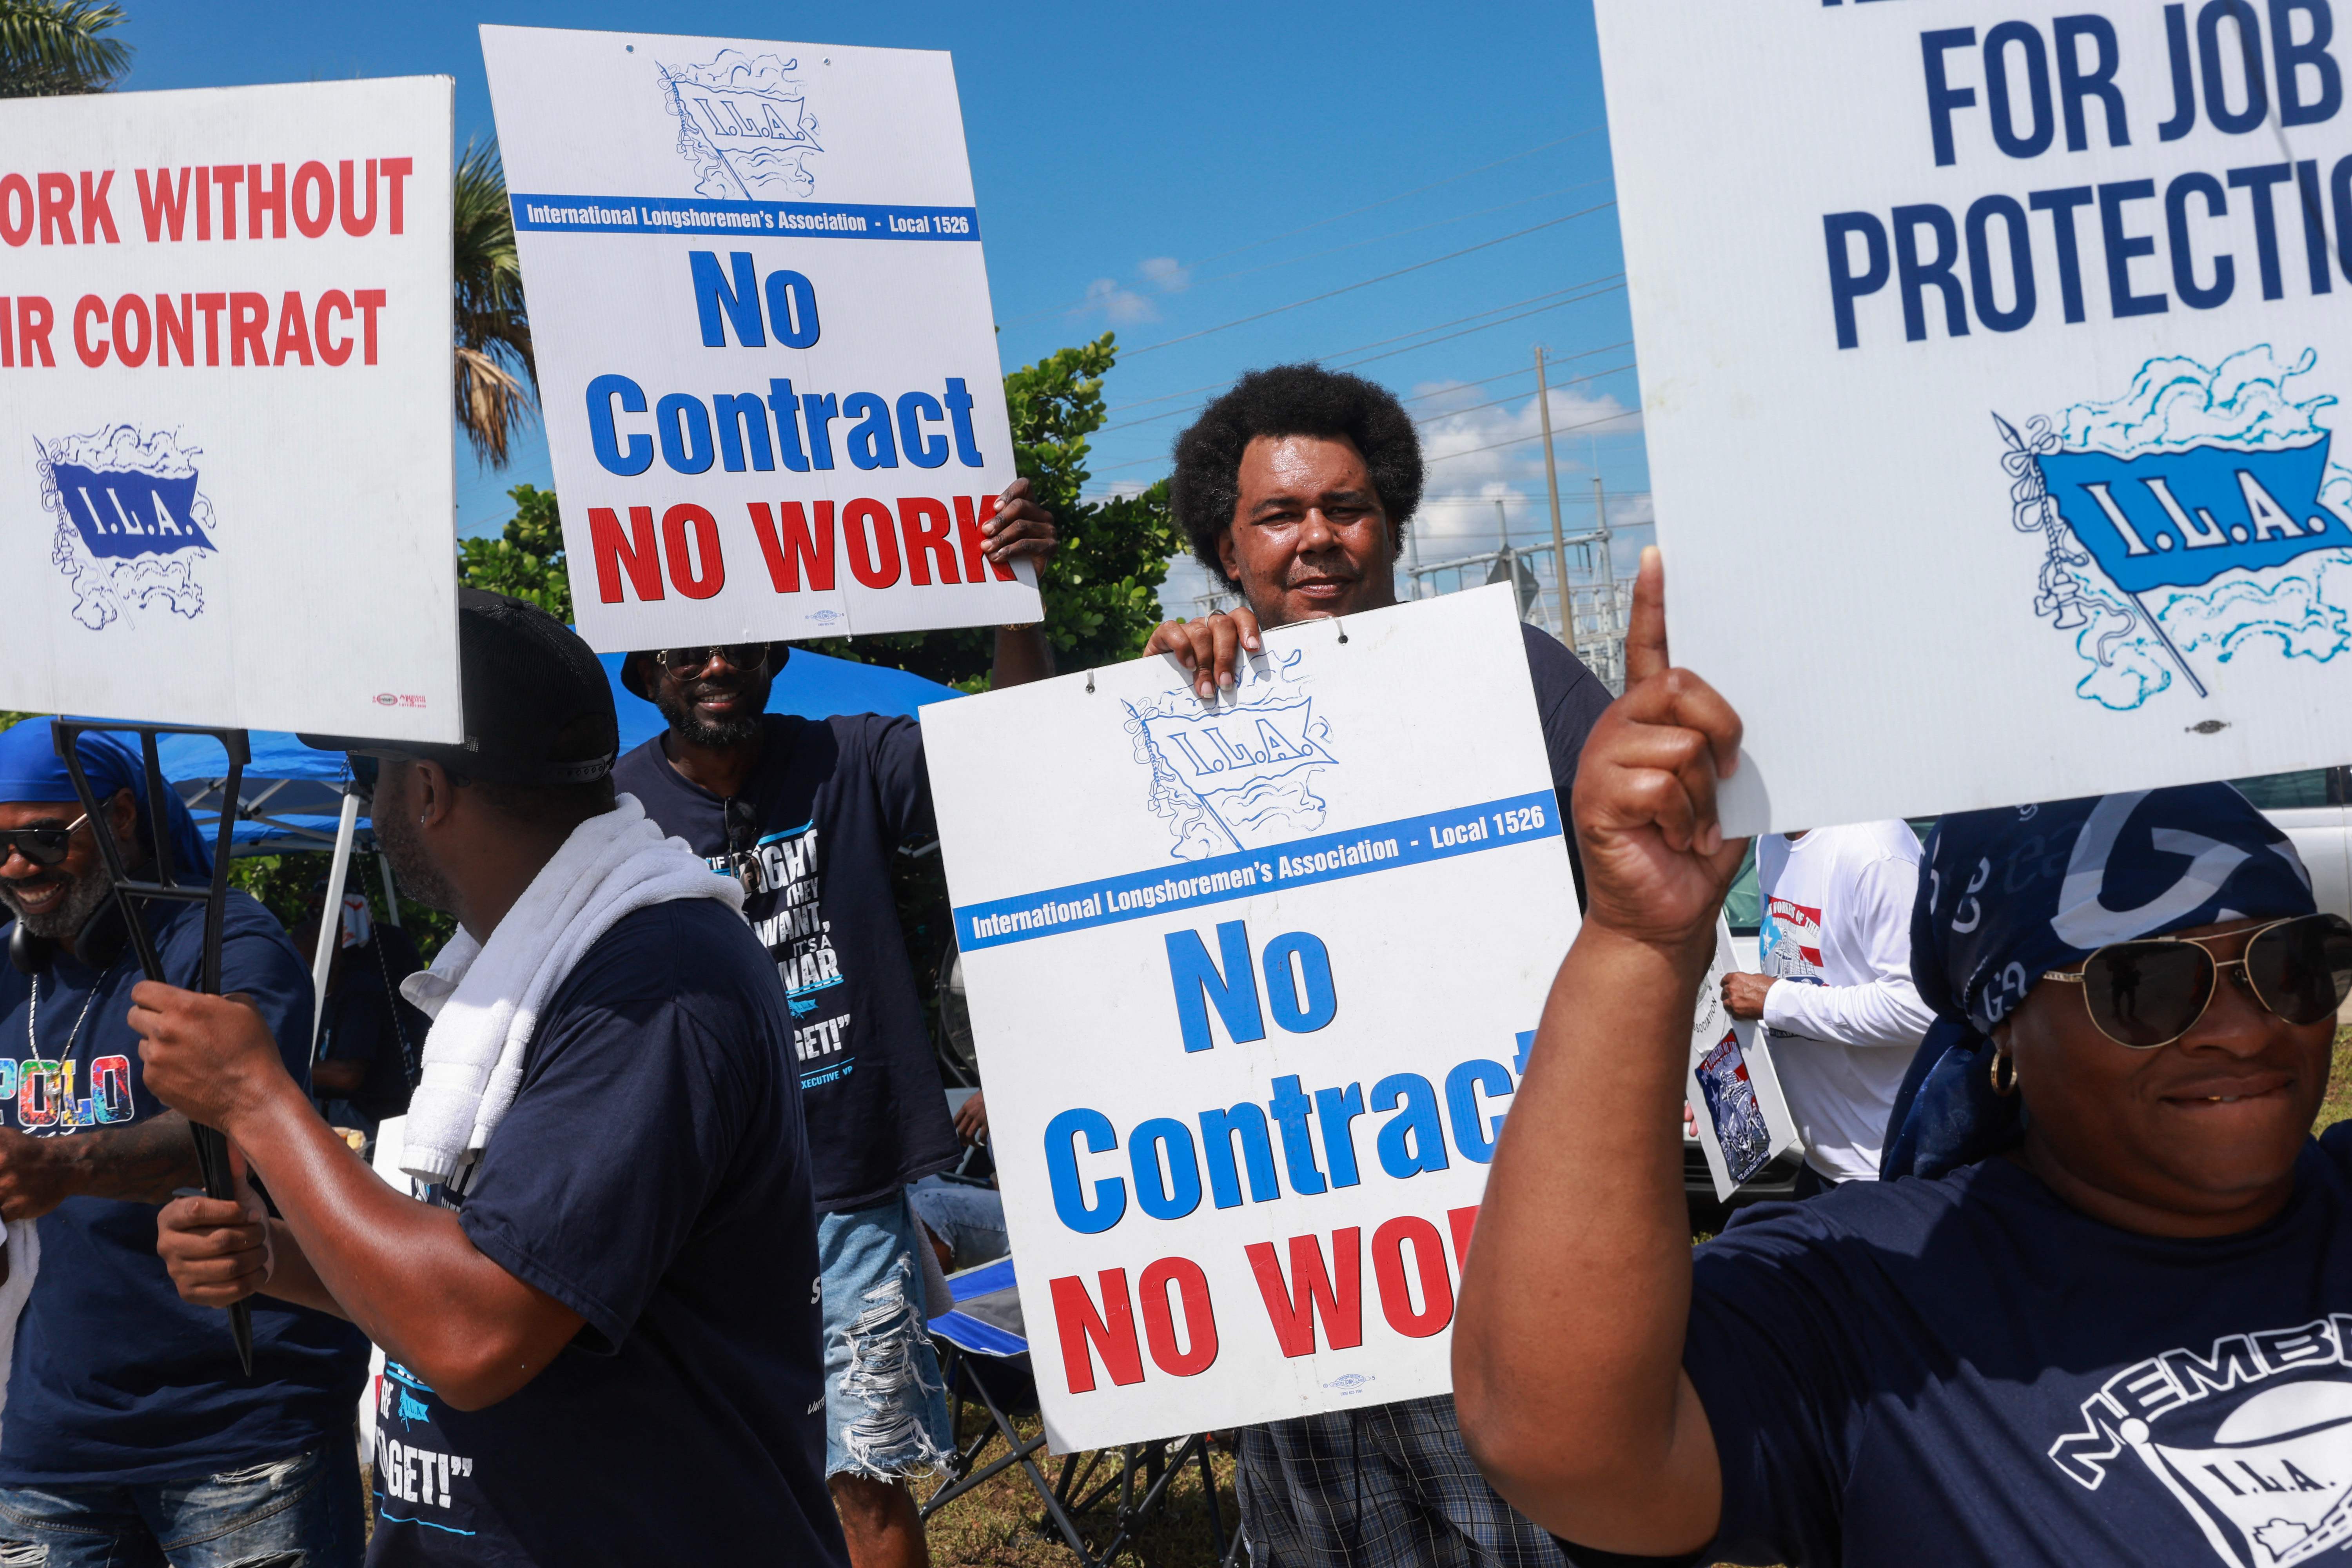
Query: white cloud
[1480,454]
[1170,275]
[1118,305]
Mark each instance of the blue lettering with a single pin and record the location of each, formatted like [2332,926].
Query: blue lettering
[602,393]
[1472,1134]
[792,309]
[1846,286]
[2291,58]
[1180,1193]
[1337,1109]
[1198,984]
[2123,249]
[1413,1139]
[2075,84]
[870,446]
[1943,98]
[1999,106]
[923,449]
[1062,1135]
[1298,982]
[684,428]
[960,419]
[2250,58]
[1917,275]
[2196,296]
[1291,1109]
[743,414]
[2021,263]
[740,303]
[1218,1129]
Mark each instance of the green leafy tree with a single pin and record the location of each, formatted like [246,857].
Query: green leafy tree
[526,559]
[493,376]
[51,48]
[1101,589]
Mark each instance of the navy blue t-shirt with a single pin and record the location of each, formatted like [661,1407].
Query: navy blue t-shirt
[1968,1371]
[115,1379]
[812,834]
[652,1177]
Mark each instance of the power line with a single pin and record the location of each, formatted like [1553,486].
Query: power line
[1382,277]
[1596,292]
[1519,440]
[1457,413]
[1335,217]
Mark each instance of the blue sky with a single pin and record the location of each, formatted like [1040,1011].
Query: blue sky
[1163,172]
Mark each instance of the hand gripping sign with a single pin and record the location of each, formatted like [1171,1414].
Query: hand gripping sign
[765,347]
[1992,363]
[1252,1021]
[224,404]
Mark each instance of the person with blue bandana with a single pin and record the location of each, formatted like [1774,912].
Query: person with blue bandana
[2099,1309]
[132,1435]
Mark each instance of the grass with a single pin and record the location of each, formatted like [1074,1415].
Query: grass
[1000,1525]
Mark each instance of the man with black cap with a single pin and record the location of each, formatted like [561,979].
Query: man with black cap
[131,1432]
[807,814]
[600,1321]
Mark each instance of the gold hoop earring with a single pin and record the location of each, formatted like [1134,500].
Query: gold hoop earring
[2002,1087]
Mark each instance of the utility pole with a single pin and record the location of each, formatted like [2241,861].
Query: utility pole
[1614,633]
[1551,488]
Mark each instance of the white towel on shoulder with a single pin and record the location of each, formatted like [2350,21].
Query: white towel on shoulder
[485,998]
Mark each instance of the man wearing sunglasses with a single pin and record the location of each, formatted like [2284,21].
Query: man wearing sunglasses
[2099,1311]
[807,814]
[132,1433]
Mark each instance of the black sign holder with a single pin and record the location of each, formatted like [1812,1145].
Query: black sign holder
[212,1147]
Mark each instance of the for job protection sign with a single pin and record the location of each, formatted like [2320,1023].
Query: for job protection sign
[766,354]
[225,406]
[1991,362]
[1251,1019]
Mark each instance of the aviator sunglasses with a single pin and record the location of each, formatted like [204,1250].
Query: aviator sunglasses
[2150,993]
[39,845]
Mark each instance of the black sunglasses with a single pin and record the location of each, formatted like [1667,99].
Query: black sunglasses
[39,845]
[686,661]
[2150,993]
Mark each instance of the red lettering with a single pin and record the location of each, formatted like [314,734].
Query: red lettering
[97,210]
[313,215]
[1429,1260]
[174,327]
[1111,1331]
[332,351]
[227,177]
[683,573]
[33,324]
[876,567]
[204,205]
[1460,1222]
[163,205]
[89,305]
[968,533]
[1293,1316]
[7,334]
[56,208]
[396,170]
[1158,1324]
[248,319]
[616,553]
[271,201]
[15,210]
[371,301]
[293,330]
[353,223]
[212,305]
[130,347]
[925,522]
[796,545]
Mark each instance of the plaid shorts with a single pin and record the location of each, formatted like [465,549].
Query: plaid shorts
[1385,1484]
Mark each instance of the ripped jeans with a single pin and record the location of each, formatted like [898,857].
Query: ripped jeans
[297,1512]
[886,1407]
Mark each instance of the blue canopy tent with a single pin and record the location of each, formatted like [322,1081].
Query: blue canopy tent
[292,798]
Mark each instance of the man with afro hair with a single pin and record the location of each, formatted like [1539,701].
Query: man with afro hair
[1295,489]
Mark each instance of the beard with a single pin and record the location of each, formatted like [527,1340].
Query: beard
[677,701]
[419,879]
[64,918]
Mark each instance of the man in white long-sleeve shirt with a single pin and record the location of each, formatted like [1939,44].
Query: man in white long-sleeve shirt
[1835,998]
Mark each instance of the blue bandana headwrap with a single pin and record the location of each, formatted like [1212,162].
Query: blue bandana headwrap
[2013,893]
[30,768]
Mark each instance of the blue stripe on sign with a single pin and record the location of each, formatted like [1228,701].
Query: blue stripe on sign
[703,218]
[1408,841]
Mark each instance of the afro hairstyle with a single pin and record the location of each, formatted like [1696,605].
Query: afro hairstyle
[1290,400]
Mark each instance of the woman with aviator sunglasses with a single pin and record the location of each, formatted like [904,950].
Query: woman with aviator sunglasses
[2100,1312]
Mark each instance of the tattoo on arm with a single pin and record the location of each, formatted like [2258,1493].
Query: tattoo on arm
[138,1164]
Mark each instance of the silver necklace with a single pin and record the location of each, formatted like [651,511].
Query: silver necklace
[32,1012]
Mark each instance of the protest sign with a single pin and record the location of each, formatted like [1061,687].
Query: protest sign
[765,346]
[1250,1021]
[1738,1109]
[1990,366]
[224,429]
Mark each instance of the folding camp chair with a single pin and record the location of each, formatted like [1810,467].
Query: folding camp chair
[984,1354]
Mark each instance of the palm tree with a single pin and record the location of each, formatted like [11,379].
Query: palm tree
[495,376]
[52,46]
